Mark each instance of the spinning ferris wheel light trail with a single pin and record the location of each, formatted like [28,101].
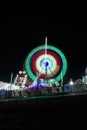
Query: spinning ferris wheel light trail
[48,62]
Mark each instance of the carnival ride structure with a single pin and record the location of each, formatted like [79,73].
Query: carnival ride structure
[46,63]
[45,66]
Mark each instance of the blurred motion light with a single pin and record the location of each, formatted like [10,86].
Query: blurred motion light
[71,82]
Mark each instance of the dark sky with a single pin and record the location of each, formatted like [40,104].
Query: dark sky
[20,34]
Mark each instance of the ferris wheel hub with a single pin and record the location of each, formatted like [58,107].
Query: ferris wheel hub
[46,63]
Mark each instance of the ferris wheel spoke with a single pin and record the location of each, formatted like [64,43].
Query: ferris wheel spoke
[45,48]
[50,71]
[52,74]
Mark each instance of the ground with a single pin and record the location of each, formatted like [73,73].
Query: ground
[58,113]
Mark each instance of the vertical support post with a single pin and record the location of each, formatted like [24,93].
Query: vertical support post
[45,59]
[61,79]
[11,78]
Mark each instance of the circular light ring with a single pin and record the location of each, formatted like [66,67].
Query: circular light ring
[62,62]
[46,63]
[34,68]
[40,64]
[40,53]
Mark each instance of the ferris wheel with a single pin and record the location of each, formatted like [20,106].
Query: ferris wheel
[48,62]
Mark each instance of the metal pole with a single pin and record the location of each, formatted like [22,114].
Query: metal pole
[45,59]
[11,79]
[61,79]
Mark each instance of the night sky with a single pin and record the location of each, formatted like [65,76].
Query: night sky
[20,34]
